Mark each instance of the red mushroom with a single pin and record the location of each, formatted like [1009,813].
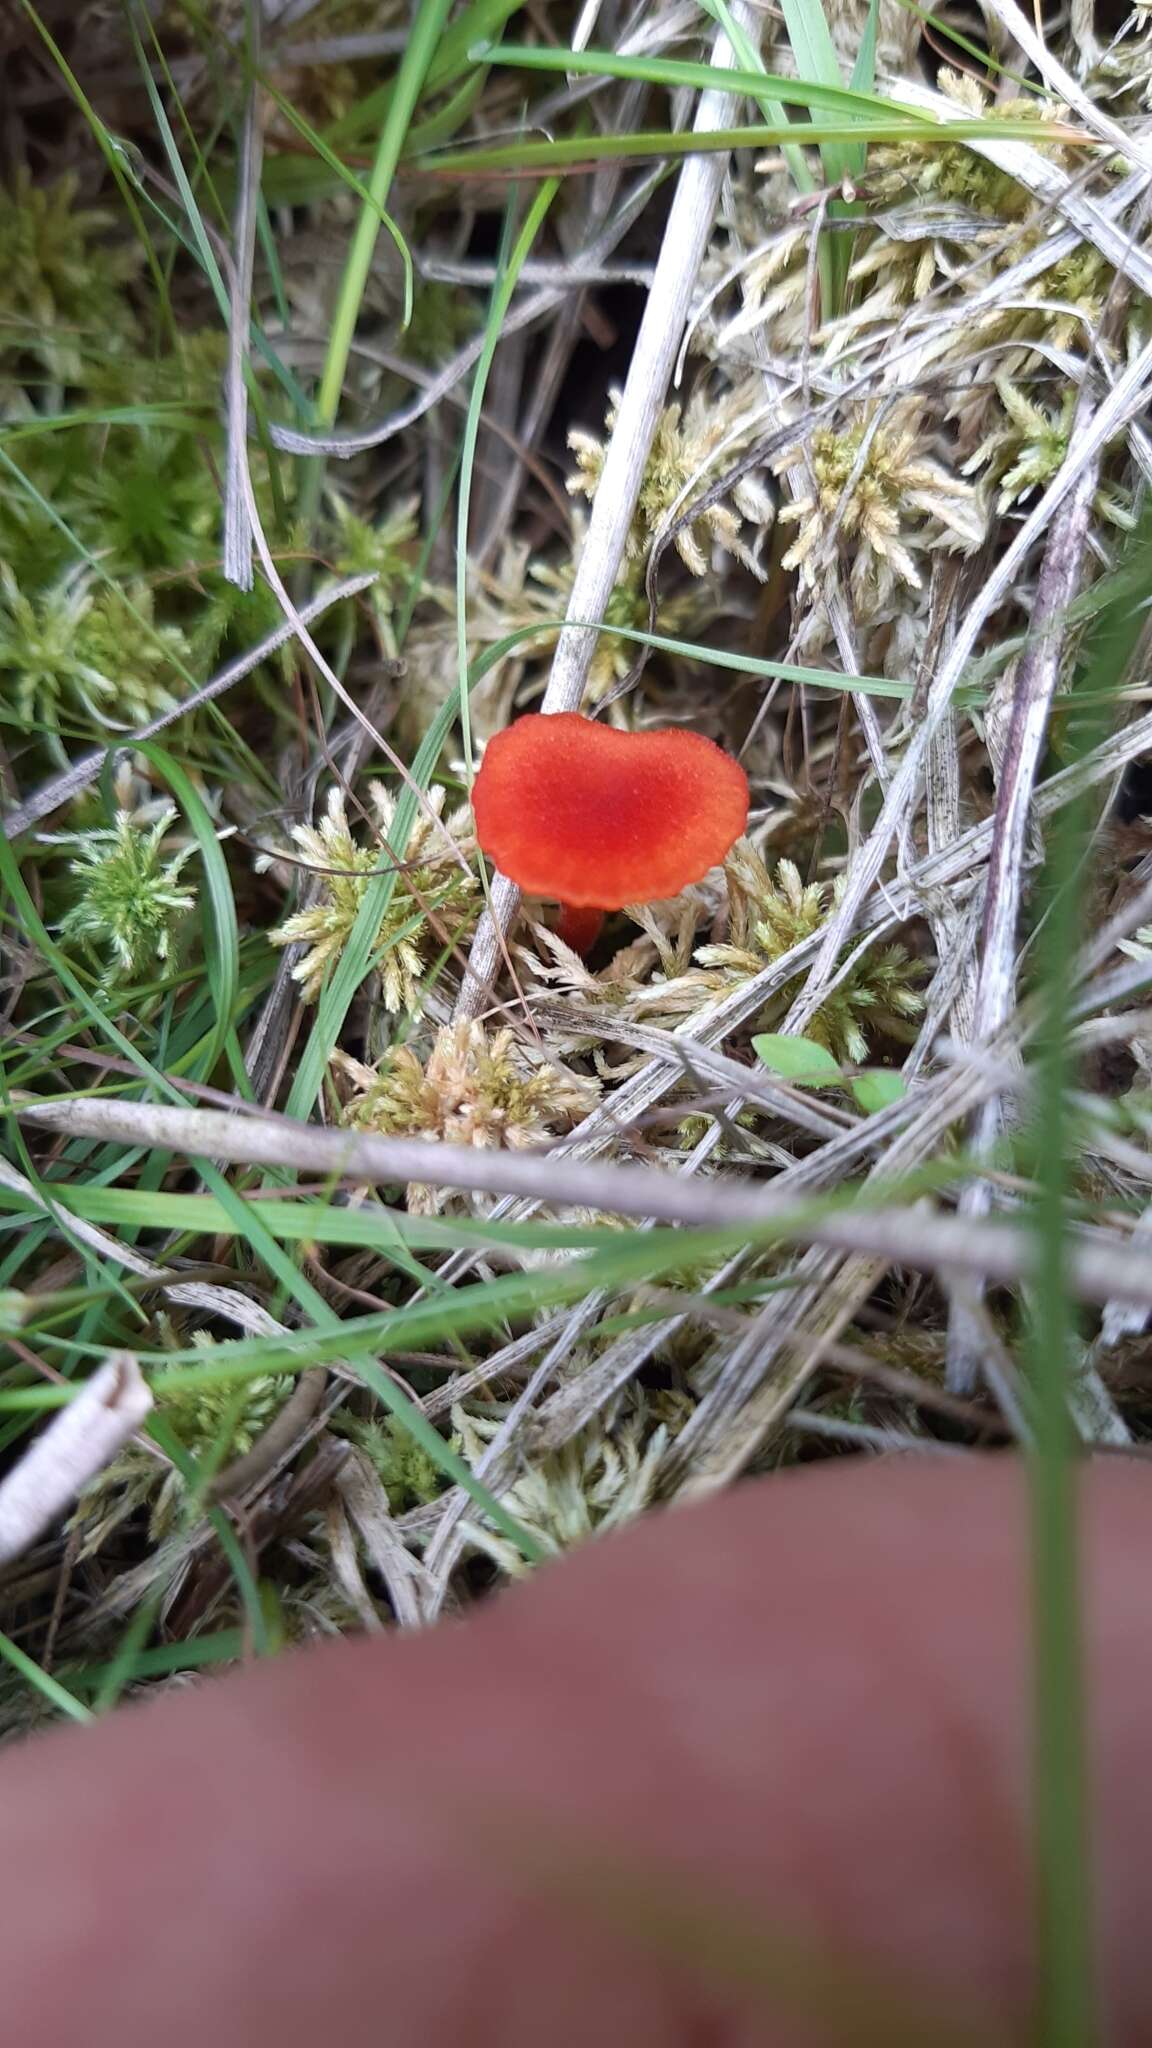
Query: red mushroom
[598,818]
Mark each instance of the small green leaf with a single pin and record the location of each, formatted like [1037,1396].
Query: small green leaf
[799,1060]
[876,1088]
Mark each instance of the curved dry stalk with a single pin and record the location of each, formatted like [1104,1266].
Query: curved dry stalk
[237,563]
[1037,676]
[77,1444]
[1098,1267]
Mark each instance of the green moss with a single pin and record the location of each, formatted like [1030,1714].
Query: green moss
[409,1476]
[769,915]
[434,902]
[63,277]
[200,1416]
[131,903]
[86,653]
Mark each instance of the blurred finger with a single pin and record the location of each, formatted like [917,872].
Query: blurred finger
[752,1771]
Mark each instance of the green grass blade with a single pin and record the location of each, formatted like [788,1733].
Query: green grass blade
[588,152]
[771,109]
[427,30]
[199,1653]
[200,237]
[815,87]
[816,60]
[507,280]
[452,58]
[1067,2015]
[49,1688]
[983,60]
[221,930]
[348,177]
[864,69]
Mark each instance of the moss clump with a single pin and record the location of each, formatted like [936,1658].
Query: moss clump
[409,1475]
[81,651]
[130,903]
[63,278]
[435,902]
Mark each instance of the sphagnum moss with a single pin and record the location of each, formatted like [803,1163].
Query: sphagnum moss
[767,915]
[679,465]
[434,905]
[131,900]
[63,269]
[474,1088]
[878,497]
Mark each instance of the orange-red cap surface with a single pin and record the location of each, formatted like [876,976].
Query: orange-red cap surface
[600,818]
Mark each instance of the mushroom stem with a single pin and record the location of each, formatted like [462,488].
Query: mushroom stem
[579,927]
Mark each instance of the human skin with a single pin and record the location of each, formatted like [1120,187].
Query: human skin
[727,1778]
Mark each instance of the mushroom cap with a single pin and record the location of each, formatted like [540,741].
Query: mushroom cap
[600,818]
